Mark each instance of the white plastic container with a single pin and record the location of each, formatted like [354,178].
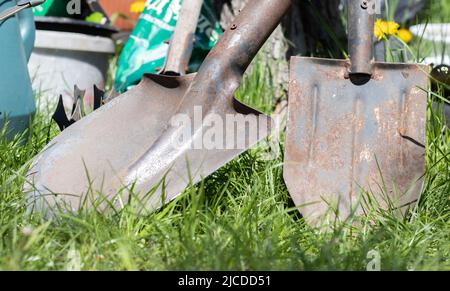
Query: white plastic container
[61,60]
[437,34]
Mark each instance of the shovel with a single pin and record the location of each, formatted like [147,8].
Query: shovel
[21,5]
[182,44]
[163,135]
[178,57]
[355,127]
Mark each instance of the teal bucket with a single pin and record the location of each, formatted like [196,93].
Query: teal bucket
[17,104]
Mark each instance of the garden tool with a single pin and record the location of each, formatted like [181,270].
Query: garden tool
[356,129]
[182,42]
[163,135]
[440,78]
[77,112]
[17,34]
[440,85]
[178,57]
[152,37]
[21,5]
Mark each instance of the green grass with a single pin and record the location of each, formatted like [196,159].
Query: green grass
[436,11]
[240,218]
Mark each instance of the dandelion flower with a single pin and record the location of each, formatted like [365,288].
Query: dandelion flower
[392,27]
[379,29]
[383,28]
[405,35]
[137,6]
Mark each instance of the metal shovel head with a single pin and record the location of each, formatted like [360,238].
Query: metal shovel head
[124,148]
[165,134]
[345,140]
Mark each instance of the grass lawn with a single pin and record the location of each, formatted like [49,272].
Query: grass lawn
[240,218]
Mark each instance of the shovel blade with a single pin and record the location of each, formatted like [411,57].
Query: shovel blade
[105,142]
[124,147]
[346,140]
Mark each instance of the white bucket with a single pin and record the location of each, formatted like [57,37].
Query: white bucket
[61,60]
[439,35]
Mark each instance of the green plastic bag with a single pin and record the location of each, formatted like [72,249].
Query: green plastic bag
[51,8]
[147,47]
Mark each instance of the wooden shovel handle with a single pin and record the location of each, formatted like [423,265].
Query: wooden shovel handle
[182,42]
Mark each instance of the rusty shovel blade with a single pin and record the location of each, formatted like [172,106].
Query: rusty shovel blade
[163,135]
[121,147]
[344,139]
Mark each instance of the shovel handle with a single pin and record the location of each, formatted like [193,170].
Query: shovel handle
[21,5]
[182,42]
[239,44]
[360,37]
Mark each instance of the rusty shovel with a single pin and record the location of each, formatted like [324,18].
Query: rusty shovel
[178,56]
[163,135]
[355,127]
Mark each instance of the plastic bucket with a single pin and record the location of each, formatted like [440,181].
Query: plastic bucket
[61,60]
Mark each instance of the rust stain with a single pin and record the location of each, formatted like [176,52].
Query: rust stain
[384,116]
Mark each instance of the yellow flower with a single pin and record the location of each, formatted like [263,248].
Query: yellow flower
[392,27]
[405,35]
[383,28]
[379,30]
[138,6]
